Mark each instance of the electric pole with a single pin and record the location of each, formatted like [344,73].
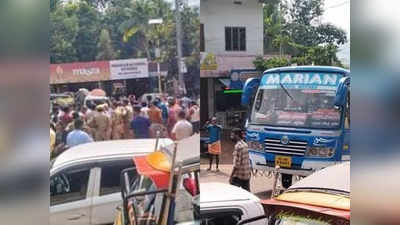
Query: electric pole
[179,45]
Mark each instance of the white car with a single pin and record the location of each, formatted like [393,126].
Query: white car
[85,180]
[222,204]
[143,98]
[96,100]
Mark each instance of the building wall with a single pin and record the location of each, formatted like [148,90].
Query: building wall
[217,14]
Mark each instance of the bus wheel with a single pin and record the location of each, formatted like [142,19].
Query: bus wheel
[286,180]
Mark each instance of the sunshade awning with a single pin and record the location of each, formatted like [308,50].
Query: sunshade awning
[159,177]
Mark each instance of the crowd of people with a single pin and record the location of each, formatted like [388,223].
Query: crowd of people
[123,118]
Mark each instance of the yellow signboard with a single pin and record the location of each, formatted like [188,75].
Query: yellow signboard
[209,62]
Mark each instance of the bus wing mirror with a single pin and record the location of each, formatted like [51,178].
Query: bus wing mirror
[342,90]
[249,88]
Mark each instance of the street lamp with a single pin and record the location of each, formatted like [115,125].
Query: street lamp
[157,52]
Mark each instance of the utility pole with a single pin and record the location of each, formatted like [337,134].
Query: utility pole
[179,45]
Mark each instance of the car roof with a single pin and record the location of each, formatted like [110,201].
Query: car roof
[222,192]
[107,149]
[334,178]
[93,97]
[308,69]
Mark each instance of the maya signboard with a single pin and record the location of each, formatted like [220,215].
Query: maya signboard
[129,68]
[79,72]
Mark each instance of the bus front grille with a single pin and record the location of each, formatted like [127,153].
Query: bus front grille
[294,148]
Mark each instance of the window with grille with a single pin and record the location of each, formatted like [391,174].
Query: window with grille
[235,38]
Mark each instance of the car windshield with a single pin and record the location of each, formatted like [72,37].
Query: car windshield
[284,102]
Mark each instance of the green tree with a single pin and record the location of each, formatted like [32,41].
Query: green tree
[137,25]
[54,4]
[89,29]
[262,64]
[105,48]
[295,27]
[64,29]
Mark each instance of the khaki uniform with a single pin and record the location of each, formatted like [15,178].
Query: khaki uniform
[109,130]
[100,124]
[128,133]
[117,124]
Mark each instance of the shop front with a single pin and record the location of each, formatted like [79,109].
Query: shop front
[222,79]
[116,78]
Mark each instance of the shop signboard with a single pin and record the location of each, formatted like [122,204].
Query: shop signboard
[129,69]
[208,62]
[238,77]
[79,72]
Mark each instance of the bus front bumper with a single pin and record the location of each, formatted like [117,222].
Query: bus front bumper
[308,167]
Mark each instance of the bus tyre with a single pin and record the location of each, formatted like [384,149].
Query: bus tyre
[286,180]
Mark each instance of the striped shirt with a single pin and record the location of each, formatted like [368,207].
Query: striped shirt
[241,161]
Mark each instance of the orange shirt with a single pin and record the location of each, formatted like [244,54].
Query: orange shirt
[154,115]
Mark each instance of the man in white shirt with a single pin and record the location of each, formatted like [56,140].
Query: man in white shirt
[182,128]
[144,110]
[195,116]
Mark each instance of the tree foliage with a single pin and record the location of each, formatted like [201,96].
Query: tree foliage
[105,49]
[87,30]
[262,64]
[294,27]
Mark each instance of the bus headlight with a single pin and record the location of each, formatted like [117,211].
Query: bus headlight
[320,152]
[255,145]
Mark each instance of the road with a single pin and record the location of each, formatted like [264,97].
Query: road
[261,186]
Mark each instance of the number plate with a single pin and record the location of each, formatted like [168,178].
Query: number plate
[283,161]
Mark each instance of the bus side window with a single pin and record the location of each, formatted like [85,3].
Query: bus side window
[347,112]
[258,100]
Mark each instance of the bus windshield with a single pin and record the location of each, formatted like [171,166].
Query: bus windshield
[285,103]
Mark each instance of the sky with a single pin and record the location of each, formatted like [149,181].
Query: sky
[337,12]
[191,2]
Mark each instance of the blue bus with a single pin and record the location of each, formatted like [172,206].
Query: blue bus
[298,119]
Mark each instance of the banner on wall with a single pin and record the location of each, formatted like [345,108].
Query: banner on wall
[79,72]
[128,69]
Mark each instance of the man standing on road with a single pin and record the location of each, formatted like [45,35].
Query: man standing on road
[128,117]
[140,124]
[182,129]
[78,136]
[118,122]
[214,146]
[100,123]
[173,110]
[194,112]
[241,164]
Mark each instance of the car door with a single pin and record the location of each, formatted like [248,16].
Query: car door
[69,196]
[222,216]
[107,190]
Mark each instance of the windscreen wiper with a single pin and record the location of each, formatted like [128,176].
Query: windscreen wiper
[286,91]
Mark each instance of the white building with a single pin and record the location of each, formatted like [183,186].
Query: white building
[232,27]
[231,36]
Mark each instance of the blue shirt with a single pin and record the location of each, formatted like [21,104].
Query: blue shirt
[214,131]
[164,110]
[77,137]
[140,126]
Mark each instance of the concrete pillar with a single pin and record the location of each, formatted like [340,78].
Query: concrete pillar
[211,97]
